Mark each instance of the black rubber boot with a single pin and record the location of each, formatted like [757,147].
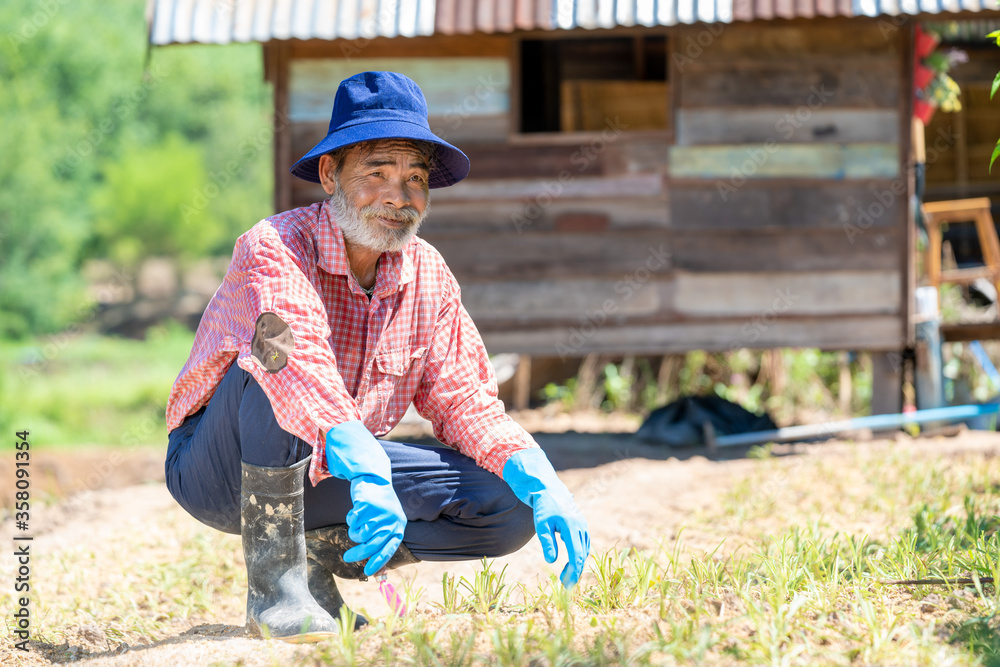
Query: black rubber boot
[323,588]
[278,601]
[326,547]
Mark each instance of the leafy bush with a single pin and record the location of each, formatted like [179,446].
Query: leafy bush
[136,216]
[108,155]
[74,389]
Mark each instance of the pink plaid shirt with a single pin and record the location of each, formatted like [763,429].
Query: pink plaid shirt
[352,358]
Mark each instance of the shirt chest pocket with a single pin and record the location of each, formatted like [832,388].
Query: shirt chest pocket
[398,363]
[396,378]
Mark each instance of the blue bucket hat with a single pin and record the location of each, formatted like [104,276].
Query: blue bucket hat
[383,105]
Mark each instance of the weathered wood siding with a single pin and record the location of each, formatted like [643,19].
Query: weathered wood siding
[772,214]
[787,177]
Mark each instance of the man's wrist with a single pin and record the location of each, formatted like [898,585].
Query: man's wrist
[352,451]
[529,473]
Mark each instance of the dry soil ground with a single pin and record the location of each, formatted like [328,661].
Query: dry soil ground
[94,551]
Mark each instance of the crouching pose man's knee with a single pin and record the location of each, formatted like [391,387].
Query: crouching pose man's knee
[330,321]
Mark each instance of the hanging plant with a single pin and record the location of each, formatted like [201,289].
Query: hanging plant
[933,87]
[942,91]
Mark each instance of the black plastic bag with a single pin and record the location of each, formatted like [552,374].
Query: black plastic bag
[682,423]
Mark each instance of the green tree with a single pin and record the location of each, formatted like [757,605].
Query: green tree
[144,207]
[39,234]
[101,147]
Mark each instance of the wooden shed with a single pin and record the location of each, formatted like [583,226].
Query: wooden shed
[647,177]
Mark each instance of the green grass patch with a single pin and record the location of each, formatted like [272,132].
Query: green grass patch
[778,589]
[797,598]
[83,388]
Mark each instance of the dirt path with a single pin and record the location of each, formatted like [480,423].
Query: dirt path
[111,553]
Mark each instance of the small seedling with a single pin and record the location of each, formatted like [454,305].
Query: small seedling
[486,590]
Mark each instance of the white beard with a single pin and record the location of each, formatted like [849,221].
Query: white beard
[360,228]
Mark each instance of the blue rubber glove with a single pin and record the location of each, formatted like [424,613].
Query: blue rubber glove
[533,480]
[376,521]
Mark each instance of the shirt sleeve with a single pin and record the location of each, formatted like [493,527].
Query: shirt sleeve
[307,393]
[458,390]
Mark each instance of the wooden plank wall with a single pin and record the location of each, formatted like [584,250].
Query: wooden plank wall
[788,174]
[760,221]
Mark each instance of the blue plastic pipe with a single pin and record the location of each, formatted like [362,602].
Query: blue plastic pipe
[874,422]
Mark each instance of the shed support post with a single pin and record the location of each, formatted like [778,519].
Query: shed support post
[927,373]
[522,383]
[887,383]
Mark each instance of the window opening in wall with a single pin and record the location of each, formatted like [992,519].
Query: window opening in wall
[579,85]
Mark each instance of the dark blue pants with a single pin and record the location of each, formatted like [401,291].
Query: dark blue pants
[455,509]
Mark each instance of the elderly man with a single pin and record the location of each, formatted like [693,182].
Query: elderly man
[338,317]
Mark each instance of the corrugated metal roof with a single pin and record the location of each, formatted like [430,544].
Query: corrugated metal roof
[223,21]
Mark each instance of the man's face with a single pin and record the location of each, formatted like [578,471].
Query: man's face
[380,195]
